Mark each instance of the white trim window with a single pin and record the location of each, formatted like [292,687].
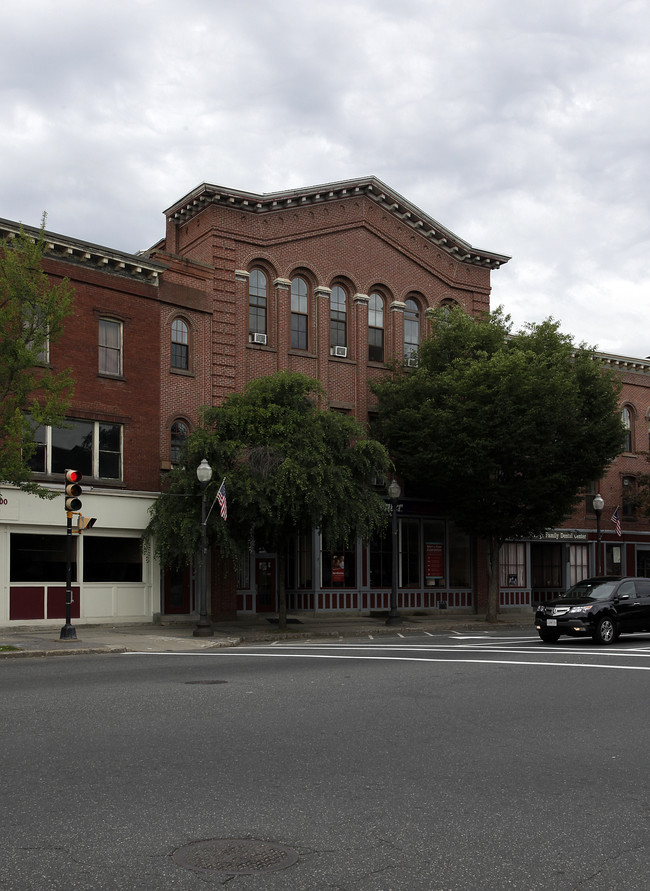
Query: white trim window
[110,347]
[94,448]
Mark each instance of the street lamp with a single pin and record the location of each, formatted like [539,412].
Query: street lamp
[204,626]
[394,492]
[598,505]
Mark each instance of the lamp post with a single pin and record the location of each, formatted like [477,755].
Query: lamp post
[204,626]
[598,505]
[394,492]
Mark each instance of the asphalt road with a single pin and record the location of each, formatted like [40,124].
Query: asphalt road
[455,761]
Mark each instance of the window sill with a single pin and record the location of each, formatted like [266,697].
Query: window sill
[111,377]
[184,372]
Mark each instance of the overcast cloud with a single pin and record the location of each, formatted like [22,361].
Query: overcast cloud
[520,125]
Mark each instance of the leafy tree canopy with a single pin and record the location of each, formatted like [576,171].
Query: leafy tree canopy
[288,464]
[32,314]
[503,428]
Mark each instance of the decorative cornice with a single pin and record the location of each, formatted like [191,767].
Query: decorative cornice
[283,284]
[242,275]
[206,194]
[625,363]
[397,306]
[361,298]
[322,291]
[83,253]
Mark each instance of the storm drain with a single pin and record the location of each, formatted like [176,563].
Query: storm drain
[234,856]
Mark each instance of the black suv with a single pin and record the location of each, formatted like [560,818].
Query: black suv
[602,608]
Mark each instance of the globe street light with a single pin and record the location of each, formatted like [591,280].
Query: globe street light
[394,493]
[598,505]
[204,626]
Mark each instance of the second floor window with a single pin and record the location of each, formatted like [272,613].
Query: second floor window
[376,328]
[110,347]
[92,447]
[180,345]
[338,317]
[411,328]
[180,432]
[626,418]
[299,314]
[257,302]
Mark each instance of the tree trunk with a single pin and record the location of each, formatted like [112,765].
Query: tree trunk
[282,590]
[493,548]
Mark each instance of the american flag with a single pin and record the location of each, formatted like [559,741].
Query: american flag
[221,498]
[616,521]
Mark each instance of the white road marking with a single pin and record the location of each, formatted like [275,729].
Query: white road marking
[276,655]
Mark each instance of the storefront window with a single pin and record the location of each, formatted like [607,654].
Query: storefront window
[381,560]
[338,568]
[305,560]
[409,553]
[546,565]
[108,559]
[40,558]
[512,565]
[460,558]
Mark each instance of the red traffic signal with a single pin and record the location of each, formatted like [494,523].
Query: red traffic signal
[72,490]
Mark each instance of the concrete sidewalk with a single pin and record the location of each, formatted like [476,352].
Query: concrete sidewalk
[178,638]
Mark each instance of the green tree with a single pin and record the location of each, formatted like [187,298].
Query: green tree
[502,428]
[32,312]
[289,466]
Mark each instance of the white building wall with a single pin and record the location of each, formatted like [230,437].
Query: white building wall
[118,514]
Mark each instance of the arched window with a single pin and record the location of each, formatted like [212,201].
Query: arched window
[376,328]
[179,434]
[299,315]
[411,328]
[257,302]
[338,317]
[626,418]
[180,356]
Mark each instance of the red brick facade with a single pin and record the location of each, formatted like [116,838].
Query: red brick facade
[132,397]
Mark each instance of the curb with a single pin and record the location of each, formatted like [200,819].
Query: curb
[82,651]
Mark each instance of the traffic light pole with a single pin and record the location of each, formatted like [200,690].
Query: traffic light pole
[68,632]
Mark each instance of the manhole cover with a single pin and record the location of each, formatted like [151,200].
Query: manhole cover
[235,856]
[206,682]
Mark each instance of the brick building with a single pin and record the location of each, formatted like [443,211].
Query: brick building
[332,281]
[116,405]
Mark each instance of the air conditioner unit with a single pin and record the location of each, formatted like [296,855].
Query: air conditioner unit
[412,363]
[259,338]
[340,351]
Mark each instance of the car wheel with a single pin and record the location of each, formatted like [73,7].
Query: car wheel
[605,632]
[549,636]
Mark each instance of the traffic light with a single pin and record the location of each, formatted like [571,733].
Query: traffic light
[72,490]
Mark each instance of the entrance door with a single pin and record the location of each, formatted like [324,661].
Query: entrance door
[265,581]
[176,591]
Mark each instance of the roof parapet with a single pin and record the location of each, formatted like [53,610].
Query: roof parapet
[205,194]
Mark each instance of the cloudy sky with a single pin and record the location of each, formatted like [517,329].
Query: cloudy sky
[521,125]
